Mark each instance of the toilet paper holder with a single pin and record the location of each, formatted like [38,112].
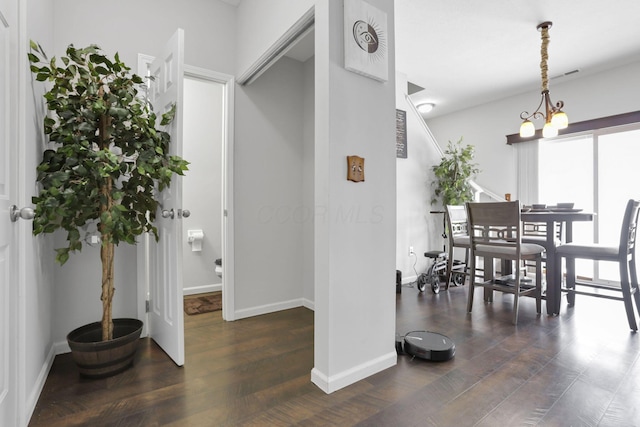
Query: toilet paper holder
[195,237]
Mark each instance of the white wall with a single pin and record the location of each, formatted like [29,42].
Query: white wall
[599,95]
[355,223]
[202,184]
[78,285]
[415,225]
[260,24]
[143,26]
[268,177]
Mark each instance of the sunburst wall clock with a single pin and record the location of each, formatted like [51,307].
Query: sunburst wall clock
[365,40]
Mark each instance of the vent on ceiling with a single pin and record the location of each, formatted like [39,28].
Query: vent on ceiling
[568,73]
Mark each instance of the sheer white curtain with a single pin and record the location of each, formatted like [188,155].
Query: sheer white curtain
[527,155]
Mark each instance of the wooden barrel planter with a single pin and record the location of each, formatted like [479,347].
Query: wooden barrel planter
[99,359]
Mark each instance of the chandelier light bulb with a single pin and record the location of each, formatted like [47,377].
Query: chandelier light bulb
[527,129]
[560,120]
[549,131]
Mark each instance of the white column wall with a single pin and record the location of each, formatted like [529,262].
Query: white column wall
[355,223]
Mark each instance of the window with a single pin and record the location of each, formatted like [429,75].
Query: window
[599,171]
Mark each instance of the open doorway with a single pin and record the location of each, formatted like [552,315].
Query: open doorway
[201,246]
[219,143]
[202,185]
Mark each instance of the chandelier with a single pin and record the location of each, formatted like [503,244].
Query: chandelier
[554,117]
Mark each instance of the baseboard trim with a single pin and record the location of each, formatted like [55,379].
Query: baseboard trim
[353,375]
[61,347]
[36,391]
[410,279]
[202,289]
[309,304]
[269,308]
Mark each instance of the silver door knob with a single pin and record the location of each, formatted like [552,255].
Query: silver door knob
[186,213]
[168,214]
[25,213]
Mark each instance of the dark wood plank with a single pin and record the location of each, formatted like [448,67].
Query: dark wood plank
[578,368]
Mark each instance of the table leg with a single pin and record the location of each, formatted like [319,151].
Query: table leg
[487,265]
[553,283]
[552,273]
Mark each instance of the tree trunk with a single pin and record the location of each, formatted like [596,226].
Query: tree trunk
[106,256]
[107,248]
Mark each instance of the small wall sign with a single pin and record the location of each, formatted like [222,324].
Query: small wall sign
[355,168]
[401,134]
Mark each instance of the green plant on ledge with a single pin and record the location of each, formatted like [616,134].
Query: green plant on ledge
[453,174]
[108,159]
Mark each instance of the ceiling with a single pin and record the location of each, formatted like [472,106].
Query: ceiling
[466,53]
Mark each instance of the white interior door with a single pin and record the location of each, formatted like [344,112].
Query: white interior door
[166,317]
[8,230]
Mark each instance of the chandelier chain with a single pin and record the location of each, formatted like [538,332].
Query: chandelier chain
[544,57]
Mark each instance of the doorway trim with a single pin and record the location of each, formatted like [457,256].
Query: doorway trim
[228,302]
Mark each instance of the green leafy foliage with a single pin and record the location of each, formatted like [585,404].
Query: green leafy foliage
[453,174]
[107,160]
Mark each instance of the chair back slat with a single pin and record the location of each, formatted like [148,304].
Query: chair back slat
[457,220]
[496,213]
[539,229]
[494,224]
[629,227]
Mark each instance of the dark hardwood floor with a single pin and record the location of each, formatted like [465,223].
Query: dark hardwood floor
[581,368]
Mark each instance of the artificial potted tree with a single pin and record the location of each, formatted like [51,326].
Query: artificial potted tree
[106,162]
[453,175]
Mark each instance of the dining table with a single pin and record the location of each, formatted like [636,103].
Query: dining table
[553,276]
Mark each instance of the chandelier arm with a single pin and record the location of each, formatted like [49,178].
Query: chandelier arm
[536,114]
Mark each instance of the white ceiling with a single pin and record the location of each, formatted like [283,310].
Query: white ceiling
[469,52]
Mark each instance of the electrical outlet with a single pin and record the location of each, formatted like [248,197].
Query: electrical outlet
[411,252]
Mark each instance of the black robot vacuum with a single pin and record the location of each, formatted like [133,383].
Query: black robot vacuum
[426,345]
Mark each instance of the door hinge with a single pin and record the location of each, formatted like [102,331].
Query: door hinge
[147,305]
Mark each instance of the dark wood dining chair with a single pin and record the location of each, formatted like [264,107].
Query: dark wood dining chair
[458,237]
[536,232]
[624,254]
[495,231]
